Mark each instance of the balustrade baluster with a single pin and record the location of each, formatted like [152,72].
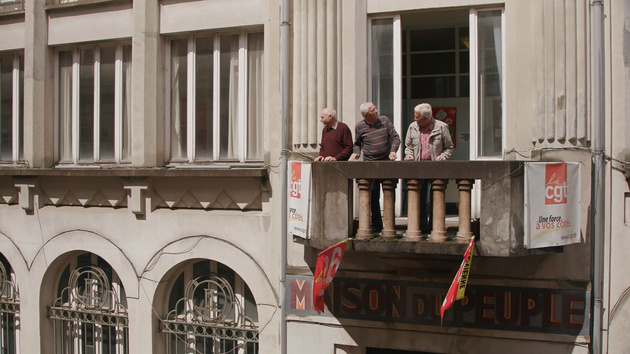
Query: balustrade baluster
[464,233]
[413,210]
[365,228]
[389,222]
[438,234]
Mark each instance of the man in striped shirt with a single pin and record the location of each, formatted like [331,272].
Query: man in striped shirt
[377,138]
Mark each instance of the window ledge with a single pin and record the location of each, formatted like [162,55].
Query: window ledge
[12,13]
[81,171]
[83,3]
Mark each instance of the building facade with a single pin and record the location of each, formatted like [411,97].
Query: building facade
[141,188]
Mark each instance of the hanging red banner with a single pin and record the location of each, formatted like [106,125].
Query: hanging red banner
[458,287]
[327,264]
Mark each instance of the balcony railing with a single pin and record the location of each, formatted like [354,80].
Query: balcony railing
[500,184]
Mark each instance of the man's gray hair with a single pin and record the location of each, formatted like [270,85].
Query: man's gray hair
[365,108]
[424,109]
[330,112]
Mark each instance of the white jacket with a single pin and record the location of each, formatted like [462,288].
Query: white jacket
[440,142]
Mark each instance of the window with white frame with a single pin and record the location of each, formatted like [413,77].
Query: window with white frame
[93,100]
[444,60]
[216,97]
[488,68]
[11,107]
[210,310]
[90,312]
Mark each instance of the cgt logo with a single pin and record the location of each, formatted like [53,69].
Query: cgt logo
[556,183]
[296,180]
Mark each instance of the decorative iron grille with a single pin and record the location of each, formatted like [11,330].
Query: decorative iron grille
[210,319]
[9,311]
[89,317]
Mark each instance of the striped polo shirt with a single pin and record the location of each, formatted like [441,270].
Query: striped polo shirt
[376,141]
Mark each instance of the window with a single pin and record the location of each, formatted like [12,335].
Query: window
[210,310]
[11,5]
[90,313]
[489,76]
[216,98]
[94,104]
[11,107]
[435,63]
[9,308]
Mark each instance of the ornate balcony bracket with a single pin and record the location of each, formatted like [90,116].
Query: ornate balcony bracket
[26,195]
[136,198]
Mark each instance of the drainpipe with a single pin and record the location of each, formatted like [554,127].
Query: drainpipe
[284,82]
[597,180]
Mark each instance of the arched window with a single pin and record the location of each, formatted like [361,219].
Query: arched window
[90,313]
[210,310]
[9,308]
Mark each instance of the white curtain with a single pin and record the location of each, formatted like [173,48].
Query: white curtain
[382,66]
[65,106]
[229,97]
[255,96]
[496,24]
[178,98]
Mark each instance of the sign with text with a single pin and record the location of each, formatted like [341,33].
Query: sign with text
[559,311]
[328,262]
[552,204]
[299,197]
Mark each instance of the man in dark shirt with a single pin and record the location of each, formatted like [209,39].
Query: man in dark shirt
[336,138]
[378,139]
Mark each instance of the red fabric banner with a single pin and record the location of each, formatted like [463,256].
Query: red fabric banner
[458,286]
[328,262]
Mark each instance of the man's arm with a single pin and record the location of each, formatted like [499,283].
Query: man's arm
[346,141]
[409,145]
[358,142]
[448,144]
[394,139]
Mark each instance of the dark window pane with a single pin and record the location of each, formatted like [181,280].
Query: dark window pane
[433,63]
[86,106]
[6,108]
[108,93]
[404,41]
[433,39]
[464,38]
[433,87]
[464,86]
[464,62]
[204,98]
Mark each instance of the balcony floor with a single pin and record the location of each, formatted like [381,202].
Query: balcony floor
[399,245]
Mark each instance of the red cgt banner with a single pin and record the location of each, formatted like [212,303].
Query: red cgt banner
[458,287]
[328,262]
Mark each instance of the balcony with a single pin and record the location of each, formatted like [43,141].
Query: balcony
[500,184]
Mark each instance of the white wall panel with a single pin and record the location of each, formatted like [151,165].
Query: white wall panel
[202,15]
[87,27]
[12,36]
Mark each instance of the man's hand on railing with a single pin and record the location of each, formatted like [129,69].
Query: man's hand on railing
[353,157]
[392,156]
